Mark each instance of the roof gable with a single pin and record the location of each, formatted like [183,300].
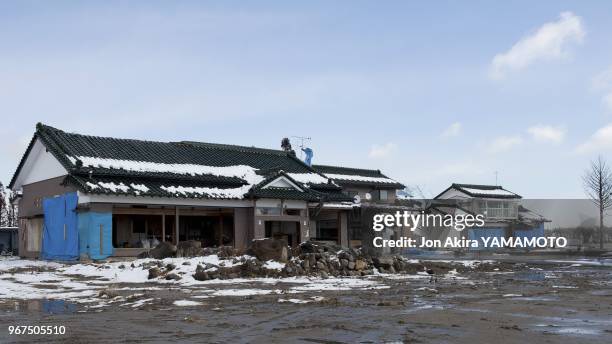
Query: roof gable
[36,165]
[480,191]
[282,181]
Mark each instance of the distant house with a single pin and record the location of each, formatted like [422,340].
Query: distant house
[504,216]
[495,202]
[96,196]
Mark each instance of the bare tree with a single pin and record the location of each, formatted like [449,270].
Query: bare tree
[13,210]
[598,187]
[4,208]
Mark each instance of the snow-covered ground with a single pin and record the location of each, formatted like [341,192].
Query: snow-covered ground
[82,282]
[86,283]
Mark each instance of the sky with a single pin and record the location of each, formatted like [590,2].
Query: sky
[430,93]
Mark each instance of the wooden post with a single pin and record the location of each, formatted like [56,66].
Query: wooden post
[339,230]
[221,230]
[163,227]
[177,223]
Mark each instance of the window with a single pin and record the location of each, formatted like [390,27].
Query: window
[351,193]
[383,195]
[497,208]
[293,212]
[327,230]
[268,211]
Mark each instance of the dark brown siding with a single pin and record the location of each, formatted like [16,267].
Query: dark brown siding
[33,194]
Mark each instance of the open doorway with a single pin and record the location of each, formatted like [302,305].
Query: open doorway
[284,230]
[209,230]
[136,231]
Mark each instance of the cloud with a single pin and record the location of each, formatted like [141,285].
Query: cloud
[504,143]
[603,83]
[549,42]
[547,133]
[378,151]
[600,140]
[452,131]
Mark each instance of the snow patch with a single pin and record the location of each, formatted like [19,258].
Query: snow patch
[186,303]
[274,265]
[245,292]
[298,301]
[114,187]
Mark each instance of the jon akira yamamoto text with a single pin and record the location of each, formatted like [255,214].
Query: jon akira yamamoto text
[459,223]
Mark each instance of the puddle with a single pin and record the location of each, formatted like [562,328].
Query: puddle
[533,275]
[47,306]
[420,304]
[578,331]
[601,292]
[535,298]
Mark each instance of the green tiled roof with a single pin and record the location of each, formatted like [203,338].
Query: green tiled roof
[69,147]
[349,171]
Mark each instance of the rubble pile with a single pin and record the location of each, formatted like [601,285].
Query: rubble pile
[273,258]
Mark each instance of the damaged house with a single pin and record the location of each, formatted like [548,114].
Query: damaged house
[504,216]
[82,195]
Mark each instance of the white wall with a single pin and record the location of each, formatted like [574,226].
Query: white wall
[39,165]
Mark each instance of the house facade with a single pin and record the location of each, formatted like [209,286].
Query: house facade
[504,216]
[82,195]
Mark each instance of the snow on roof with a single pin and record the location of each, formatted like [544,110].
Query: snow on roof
[210,192]
[244,172]
[361,178]
[114,187]
[308,178]
[342,205]
[241,171]
[140,187]
[489,192]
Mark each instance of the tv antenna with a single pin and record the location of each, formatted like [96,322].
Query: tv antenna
[302,139]
[496,173]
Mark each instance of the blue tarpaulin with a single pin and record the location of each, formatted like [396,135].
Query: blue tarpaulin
[60,239]
[95,233]
[309,154]
[477,234]
[534,232]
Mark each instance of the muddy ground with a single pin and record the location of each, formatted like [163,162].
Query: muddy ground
[538,303]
